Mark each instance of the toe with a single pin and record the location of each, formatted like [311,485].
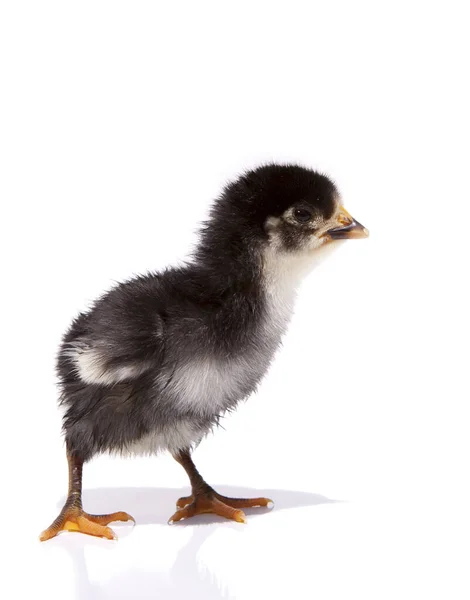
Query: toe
[182,514]
[239,516]
[246,502]
[110,518]
[47,534]
[184,501]
[85,525]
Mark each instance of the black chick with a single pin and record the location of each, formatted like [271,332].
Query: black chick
[158,359]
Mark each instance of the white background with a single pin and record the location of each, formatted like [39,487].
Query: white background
[120,121]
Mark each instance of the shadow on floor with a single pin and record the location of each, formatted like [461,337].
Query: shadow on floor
[155,505]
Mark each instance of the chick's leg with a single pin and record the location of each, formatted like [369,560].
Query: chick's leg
[206,500]
[72,517]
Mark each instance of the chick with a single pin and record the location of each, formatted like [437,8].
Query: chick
[160,358]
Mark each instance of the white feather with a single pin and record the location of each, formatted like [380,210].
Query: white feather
[90,364]
[174,437]
[207,384]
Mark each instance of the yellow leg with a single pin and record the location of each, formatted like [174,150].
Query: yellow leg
[73,518]
[206,500]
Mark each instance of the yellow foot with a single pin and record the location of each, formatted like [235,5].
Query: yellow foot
[74,519]
[212,502]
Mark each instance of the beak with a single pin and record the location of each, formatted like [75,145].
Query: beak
[348,229]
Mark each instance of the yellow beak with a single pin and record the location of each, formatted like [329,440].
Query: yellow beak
[348,228]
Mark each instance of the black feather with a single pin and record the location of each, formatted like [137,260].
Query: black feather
[156,325]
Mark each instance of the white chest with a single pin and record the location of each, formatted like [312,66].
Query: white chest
[208,384]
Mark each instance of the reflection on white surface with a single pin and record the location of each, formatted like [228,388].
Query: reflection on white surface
[186,577]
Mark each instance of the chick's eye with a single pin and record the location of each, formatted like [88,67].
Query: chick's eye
[302,215]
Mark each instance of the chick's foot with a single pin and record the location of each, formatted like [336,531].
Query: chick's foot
[205,500]
[212,502]
[75,519]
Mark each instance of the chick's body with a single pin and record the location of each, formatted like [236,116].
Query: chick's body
[158,359]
